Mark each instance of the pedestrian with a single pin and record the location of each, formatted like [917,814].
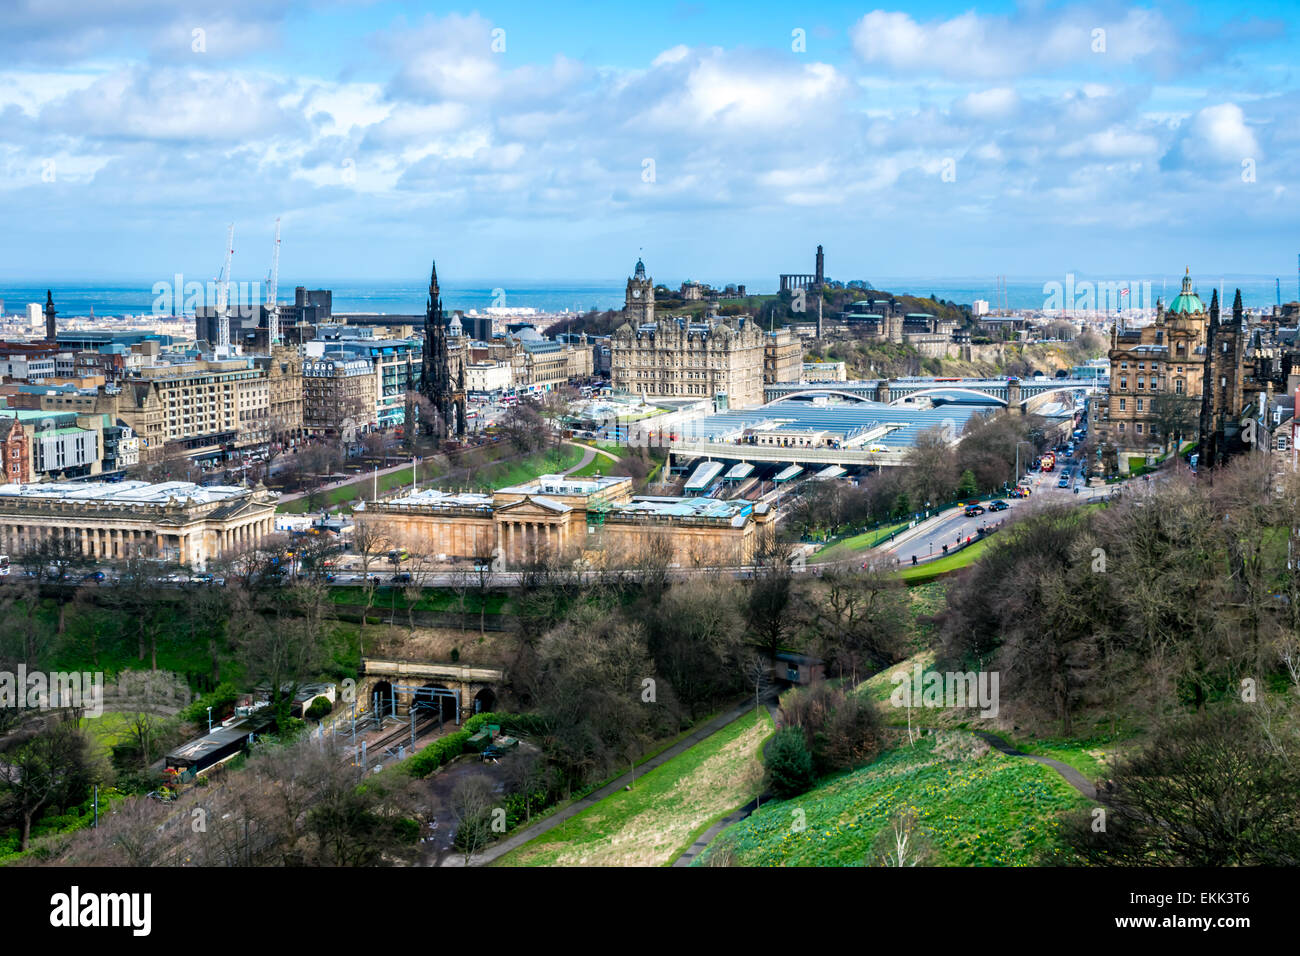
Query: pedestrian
[914,559]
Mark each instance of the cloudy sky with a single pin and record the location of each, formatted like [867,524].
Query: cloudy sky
[556,140]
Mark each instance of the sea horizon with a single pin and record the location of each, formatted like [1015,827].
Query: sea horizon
[121,298]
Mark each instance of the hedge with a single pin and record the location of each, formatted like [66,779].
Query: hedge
[225,694]
[528,725]
[436,754]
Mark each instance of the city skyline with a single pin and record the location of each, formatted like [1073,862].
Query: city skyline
[554,144]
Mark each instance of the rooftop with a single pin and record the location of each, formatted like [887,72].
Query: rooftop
[564,485]
[124,492]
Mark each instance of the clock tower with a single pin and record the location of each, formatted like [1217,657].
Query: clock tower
[639,300]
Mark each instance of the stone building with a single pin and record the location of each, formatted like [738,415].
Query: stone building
[720,359]
[176,521]
[562,519]
[15,452]
[782,357]
[201,409]
[1163,382]
[639,297]
[284,393]
[338,396]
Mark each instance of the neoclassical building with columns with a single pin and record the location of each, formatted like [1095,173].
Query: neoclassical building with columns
[556,517]
[177,521]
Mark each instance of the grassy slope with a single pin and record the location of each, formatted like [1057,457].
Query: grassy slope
[856,545]
[989,810]
[495,475]
[670,807]
[963,558]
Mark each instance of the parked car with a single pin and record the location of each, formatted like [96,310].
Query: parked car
[974,511]
[998,505]
[403,578]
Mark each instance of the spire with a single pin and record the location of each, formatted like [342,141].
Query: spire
[1214,306]
[1238,310]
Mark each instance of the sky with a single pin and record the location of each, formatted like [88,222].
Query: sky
[719,141]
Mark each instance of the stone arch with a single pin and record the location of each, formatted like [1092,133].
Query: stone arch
[485,700]
[422,701]
[385,703]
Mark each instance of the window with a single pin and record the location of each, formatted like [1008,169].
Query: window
[1121,426]
[1139,408]
[1123,383]
[1139,428]
[1178,386]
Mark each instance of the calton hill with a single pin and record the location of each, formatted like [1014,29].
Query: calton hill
[1144,651]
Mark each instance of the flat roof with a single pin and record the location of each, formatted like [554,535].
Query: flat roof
[846,418]
[739,472]
[124,492]
[704,474]
[830,471]
[564,485]
[433,496]
[676,507]
[785,474]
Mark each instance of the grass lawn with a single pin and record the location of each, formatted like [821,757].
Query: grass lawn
[976,809]
[670,806]
[849,547]
[931,569]
[494,475]
[598,464]
[361,488]
[109,728]
[552,461]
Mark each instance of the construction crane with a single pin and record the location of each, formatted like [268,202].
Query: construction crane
[272,283]
[223,295]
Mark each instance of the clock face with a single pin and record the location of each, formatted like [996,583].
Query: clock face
[636,293]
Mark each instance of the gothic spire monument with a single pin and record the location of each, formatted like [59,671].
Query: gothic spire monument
[442,378]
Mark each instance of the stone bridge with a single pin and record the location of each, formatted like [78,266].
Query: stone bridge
[472,689]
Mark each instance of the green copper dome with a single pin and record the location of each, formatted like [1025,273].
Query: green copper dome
[1187,301]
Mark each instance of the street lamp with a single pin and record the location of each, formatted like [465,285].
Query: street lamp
[209,720]
[1018,444]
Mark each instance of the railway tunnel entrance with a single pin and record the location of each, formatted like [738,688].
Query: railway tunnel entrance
[438,700]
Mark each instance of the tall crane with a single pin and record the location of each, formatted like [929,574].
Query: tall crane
[272,283]
[223,295]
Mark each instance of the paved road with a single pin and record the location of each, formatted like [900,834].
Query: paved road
[926,541]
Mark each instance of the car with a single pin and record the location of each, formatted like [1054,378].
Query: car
[973,511]
[96,576]
[998,505]
[402,578]
[1064,482]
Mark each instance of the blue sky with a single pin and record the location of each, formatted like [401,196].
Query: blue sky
[724,139]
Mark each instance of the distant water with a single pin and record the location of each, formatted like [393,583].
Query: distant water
[117,299]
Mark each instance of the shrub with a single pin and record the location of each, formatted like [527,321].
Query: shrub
[789,764]
[223,696]
[319,708]
[436,754]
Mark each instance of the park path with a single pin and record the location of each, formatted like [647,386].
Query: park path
[588,456]
[350,480]
[705,730]
[693,851]
[1071,776]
